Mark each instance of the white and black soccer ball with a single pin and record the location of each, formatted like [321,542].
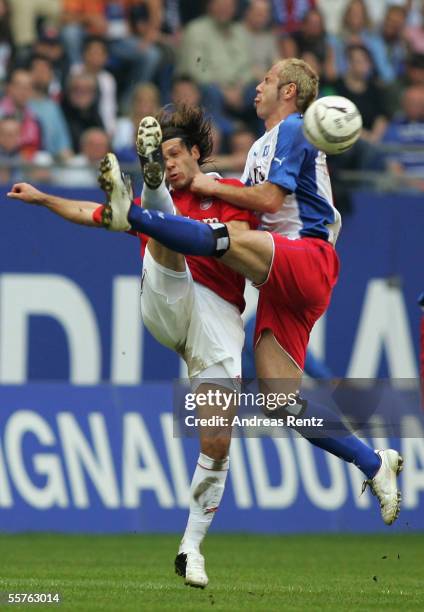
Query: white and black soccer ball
[332,124]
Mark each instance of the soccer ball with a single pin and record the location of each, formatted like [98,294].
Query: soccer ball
[332,124]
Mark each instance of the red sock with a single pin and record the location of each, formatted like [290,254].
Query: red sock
[97,214]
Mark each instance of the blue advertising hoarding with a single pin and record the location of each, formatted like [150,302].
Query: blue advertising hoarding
[94,451]
[104,459]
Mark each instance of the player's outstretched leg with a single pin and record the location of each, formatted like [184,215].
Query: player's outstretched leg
[118,192]
[176,233]
[155,194]
[380,468]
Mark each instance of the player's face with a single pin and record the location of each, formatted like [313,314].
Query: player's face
[180,163]
[268,94]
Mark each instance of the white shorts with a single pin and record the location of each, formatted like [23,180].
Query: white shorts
[206,330]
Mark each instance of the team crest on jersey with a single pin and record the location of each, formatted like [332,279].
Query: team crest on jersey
[266,151]
[205,204]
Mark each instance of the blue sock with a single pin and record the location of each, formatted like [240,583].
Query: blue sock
[180,234]
[345,446]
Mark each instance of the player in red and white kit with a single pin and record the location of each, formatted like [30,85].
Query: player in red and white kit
[192,305]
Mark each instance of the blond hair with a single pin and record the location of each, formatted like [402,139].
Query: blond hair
[305,78]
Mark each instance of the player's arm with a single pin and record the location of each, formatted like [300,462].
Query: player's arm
[269,196]
[238,225]
[266,197]
[75,211]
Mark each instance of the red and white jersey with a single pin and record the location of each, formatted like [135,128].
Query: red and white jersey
[209,271]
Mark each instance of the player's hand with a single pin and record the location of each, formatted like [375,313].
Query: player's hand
[203,185]
[26,193]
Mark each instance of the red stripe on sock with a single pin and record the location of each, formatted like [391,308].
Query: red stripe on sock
[97,215]
[212,469]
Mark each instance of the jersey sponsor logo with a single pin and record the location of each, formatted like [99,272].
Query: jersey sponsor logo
[211,220]
[205,204]
[258,175]
[207,220]
[280,161]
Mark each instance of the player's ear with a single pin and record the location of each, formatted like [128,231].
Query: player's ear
[290,90]
[195,152]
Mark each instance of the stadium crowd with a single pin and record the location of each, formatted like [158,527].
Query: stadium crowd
[77,76]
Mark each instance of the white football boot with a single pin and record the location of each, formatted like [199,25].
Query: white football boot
[191,566]
[384,484]
[148,143]
[119,194]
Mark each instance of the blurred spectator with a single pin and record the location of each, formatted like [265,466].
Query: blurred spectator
[356,31]
[358,85]
[18,94]
[6,43]
[95,58]
[378,10]
[312,38]
[145,101]
[134,55]
[333,11]
[393,37]
[185,91]
[414,8]
[133,47]
[414,34]
[289,14]
[11,158]
[215,49]
[55,134]
[413,75]
[50,46]
[408,129]
[414,70]
[240,142]
[43,77]
[10,154]
[215,53]
[262,41]
[146,18]
[157,23]
[80,106]
[25,18]
[82,17]
[82,169]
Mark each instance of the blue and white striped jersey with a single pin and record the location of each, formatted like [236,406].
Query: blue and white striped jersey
[283,156]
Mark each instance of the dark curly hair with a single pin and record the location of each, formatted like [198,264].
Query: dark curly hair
[190,125]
